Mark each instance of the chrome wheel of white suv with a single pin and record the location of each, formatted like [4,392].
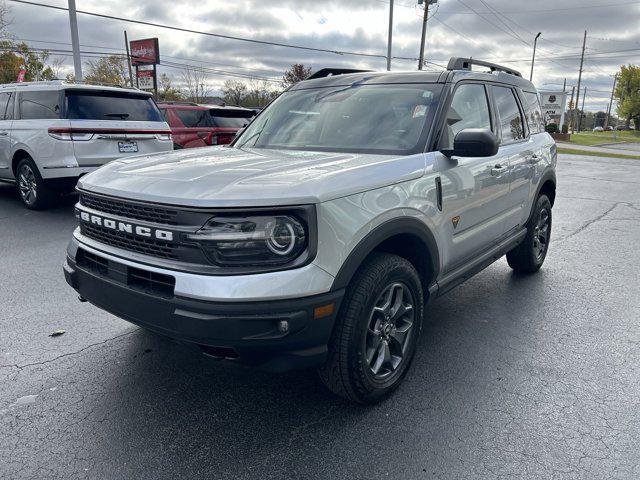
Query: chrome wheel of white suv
[27,184]
[33,192]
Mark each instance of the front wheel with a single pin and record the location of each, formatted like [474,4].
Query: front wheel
[529,256]
[376,331]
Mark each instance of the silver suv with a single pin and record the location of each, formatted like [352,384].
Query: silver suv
[318,236]
[51,133]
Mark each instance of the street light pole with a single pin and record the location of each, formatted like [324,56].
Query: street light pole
[533,60]
[75,41]
[390,35]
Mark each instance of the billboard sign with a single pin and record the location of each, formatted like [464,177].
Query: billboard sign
[553,103]
[145,51]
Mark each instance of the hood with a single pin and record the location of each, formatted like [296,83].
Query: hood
[228,177]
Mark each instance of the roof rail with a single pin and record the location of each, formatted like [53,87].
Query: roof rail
[458,63]
[329,72]
[41,82]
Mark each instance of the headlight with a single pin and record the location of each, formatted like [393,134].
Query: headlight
[253,240]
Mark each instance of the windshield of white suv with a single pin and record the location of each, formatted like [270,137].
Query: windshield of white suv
[385,119]
[91,105]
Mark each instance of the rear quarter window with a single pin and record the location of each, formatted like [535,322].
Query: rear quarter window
[533,112]
[40,105]
[111,106]
[215,118]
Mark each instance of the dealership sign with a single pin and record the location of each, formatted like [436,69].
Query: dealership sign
[553,103]
[145,52]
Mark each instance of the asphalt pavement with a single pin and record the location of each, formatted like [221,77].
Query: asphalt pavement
[534,377]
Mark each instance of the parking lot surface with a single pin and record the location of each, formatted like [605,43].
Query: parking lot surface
[516,377]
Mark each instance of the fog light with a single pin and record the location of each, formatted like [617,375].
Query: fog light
[283,326]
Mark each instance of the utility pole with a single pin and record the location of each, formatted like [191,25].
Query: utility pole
[75,40]
[584,45]
[613,91]
[424,29]
[571,108]
[390,35]
[533,60]
[582,110]
[126,44]
[564,103]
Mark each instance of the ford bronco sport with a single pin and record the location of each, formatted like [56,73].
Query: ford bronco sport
[317,237]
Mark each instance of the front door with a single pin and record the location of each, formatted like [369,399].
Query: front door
[474,190]
[6,118]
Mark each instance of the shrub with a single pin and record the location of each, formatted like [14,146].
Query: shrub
[565,128]
[551,128]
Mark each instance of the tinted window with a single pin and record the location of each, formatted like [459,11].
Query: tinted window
[39,105]
[163,112]
[469,109]
[533,112]
[4,101]
[354,118]
[215,117]
[510,116]
[111,106]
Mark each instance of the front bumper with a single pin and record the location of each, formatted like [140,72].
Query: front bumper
[247,331]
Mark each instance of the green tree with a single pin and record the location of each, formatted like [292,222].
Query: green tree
[111,70]
[628,94]
[16,56]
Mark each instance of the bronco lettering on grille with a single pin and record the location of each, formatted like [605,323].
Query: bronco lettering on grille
[130,228]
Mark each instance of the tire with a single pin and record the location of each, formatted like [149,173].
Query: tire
[32,190]
[370,317]
[529,256]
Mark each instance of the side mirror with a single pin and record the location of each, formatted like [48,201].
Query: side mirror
[474,142]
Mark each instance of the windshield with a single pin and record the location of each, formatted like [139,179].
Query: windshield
[386,119]
[215,117]
[111,106]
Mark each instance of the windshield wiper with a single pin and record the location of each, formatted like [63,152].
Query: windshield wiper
[122,116]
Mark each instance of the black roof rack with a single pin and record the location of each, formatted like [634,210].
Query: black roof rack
[457,63]
[329,72]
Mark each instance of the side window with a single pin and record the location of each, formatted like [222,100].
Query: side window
[4,101]
[533,112]
[39,105]
[163,112]
[469,109]
[8,115]
[510,116]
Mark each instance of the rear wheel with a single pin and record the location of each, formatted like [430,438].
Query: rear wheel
[529,256]
[31,187]
[376,331]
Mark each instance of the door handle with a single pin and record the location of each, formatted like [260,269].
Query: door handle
[498,170]
[4,133]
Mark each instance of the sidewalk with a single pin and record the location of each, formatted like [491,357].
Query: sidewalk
[615,148]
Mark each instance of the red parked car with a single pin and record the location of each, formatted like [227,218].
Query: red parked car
[194,125]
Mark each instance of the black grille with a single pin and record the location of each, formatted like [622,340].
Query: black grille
[115,238]
[149,213]
[144,281]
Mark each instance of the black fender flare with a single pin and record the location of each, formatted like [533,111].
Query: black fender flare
[396,226]
[549,175]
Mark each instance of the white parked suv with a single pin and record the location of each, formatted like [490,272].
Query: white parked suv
[317,237]
[51,133]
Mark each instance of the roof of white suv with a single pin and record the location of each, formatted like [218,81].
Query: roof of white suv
[64,84]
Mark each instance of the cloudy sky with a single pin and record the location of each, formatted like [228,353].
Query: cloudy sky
[496,30]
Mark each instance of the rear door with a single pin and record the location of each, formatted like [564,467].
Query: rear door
[475,190]
[109,124]
[517,148]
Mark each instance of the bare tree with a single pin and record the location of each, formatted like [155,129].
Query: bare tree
[196,84]
[166,90]
[261,92]
[295,74]
[234,92]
